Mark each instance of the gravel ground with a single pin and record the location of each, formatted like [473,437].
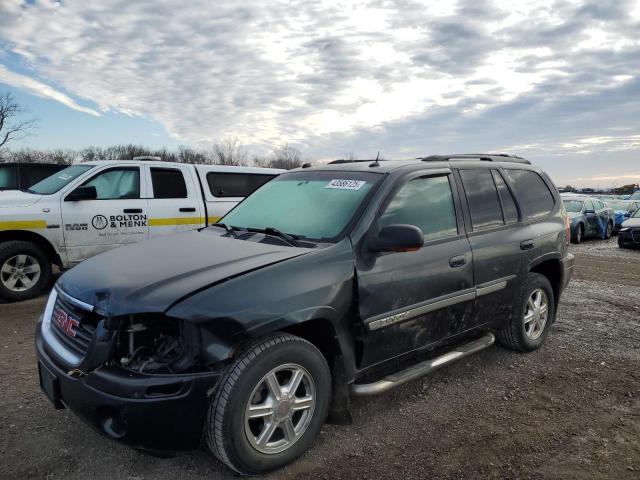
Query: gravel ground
[570,410]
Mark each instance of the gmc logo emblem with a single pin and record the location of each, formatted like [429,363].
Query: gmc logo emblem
[66,322]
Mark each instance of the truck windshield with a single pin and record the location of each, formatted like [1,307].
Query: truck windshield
[573,206]
[58,180]
[313,205]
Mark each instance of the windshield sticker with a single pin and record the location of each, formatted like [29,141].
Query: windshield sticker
[65,176]
[345,184]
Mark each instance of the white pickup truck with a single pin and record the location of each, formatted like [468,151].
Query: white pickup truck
[91,207]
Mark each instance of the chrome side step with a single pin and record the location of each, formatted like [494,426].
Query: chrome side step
[422,368]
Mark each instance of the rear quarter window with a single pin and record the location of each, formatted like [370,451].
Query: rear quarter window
[532,191]
[482,198]
[235,184]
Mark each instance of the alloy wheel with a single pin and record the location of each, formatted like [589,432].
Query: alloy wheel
[536,314]
[280,409]
[20,273]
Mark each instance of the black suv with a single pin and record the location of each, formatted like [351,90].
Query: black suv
[349,278]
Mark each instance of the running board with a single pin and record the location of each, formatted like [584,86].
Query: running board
[422,368]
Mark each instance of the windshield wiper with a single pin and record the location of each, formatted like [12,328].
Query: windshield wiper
[228,228]
[274,232]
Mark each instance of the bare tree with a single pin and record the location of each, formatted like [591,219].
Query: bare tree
[229,151]
[286,157]
[10,127]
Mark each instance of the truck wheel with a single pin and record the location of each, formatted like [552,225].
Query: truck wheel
[578,234]
[25,270]
[270,405]
[609,231]
[530,322]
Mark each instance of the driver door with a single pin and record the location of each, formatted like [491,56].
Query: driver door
[409,300]
[116,217]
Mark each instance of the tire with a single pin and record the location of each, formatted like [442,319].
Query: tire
[609,232]
[621,243]
[234,439]
[25,258]
[578,234]
[516,335]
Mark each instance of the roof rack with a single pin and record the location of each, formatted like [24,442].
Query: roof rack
[147,158]
[486,157]
[342,160]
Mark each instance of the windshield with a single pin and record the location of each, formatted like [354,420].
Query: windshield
[314,205]
[619,206]
[573,206]
[58,180]
[9,177]
[636,214]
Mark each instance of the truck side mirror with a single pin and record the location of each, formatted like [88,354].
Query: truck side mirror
[397,238]
[86,192]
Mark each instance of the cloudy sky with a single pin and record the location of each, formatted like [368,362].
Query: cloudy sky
[556,81]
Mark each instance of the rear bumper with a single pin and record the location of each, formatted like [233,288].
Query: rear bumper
[567,269]
[151,412]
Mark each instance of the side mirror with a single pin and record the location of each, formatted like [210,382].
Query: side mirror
[589,211]
[397,238]
[627,214]
[82,193]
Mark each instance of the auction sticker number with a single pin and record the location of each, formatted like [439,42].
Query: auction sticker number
[345,184]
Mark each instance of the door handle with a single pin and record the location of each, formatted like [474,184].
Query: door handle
[457,261]
[132,210]
[187,209]
[527,245]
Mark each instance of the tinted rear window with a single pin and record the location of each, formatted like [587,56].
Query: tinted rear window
[235,184]
[8,177]
[482,198]
[168,183]
[532,191]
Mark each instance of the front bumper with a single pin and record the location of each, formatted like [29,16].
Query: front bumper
[151,412]
[629,237]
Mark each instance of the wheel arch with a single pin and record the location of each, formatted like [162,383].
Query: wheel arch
[35,238]
[552,270]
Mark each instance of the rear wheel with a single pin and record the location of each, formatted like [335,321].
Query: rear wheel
[578,234]
[609,231]
[24,270]
[270,405]
[530,322]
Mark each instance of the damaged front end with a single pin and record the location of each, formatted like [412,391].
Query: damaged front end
[139,379]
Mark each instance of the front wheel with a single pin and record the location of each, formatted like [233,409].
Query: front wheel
[609,231]
[270,405]
[24,270]
[532,317]
[578,234]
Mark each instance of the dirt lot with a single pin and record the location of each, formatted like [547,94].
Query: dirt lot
[569,410]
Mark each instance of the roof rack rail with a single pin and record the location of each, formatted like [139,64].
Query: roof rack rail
[486,157]
[147,158]
[342,160]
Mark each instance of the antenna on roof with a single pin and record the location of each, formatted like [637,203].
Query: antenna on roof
[377,162]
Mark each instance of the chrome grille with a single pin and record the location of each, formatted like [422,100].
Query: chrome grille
[73,327]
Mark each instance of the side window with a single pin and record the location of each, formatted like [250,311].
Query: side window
[168,183]
[482,198]
[425,202]
[509,209]
[8,177]
[588,205]
[235,184]
[532,192]
[116,183]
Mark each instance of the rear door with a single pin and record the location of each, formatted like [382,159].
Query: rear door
[116,217]
[498,241]
[410,300]
[175,203]
[591,217]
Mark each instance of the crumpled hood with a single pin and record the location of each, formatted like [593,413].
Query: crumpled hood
[152,275]
[16,198]
[633,222]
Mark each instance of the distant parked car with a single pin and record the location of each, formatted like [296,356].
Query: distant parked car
[20,176]
[585,214]
[629,234]
[622,209]
[635,195]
